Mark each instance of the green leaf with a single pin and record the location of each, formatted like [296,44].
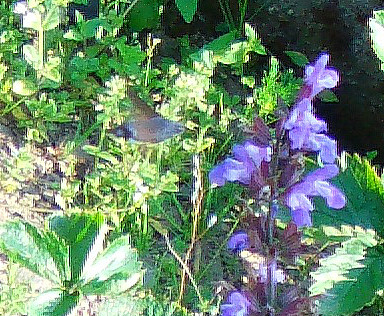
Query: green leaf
[31,55]
[95,151]
[348,256]
[35,250]
[114,271]
[52,19]
[236,53]
[53,303]
[220,44]
[254,43]
[74,34]
[377,34]
[328,96]
[169,182]
[81,233]
[145,14]
[90,27]
[370,155]
[130,54]
[348,297]
[187,9]
[365,198]
[297,58]
[249,81]
[51,69]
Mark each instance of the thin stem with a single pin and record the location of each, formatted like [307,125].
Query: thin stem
[243,9]
[197,198]
[41,51]
[185,267]
[229,13]
[226,18]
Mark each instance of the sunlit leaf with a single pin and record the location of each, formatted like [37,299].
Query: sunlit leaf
[187,9]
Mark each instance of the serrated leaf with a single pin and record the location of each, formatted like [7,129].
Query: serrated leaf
[365,198]
[33,249]
[114,271]
[187,9]
[80,231]
[348,256]
[52,303]
[348,297]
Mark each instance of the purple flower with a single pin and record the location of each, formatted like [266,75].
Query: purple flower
[319,77]
[277,275]
[236,305]
[247,157]
[313,184]
[326,146]
[238,241]
[302,115]
[304,132]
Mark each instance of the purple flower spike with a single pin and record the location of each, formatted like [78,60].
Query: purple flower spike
[306,132]
[314,184]
[231,170]
[247,157]
[236,305]
[238,242]
[319,76]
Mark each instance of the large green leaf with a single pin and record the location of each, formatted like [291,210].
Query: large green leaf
[114,271]
[347,297]
[82,233]
[365,198]
[144,15]
[53,303]
[40,252]
[348,256]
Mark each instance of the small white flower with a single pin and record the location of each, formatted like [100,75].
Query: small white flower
[21,7]
[31,18]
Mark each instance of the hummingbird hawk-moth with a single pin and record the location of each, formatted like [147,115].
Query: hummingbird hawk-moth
[146,125]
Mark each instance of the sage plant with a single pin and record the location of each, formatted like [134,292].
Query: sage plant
[273,173]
